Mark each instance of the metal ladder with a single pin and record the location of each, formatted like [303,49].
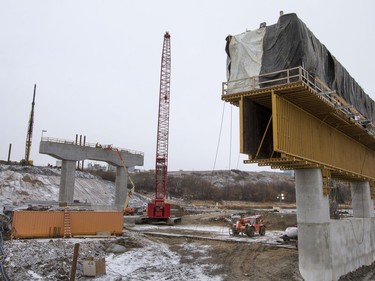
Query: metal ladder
[67,227]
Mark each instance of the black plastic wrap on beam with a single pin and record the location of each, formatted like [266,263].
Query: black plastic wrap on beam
[289,43]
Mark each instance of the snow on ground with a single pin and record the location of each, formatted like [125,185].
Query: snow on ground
[16,188]
[143,259]
[21,185]
[155,261]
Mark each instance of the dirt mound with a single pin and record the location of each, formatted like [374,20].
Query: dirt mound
[252,262]
[278,220]
[248,261]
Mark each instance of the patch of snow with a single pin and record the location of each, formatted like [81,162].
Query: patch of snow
[203,249]
[34,276]
[155,261]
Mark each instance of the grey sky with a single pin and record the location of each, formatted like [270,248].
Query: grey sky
[97,65]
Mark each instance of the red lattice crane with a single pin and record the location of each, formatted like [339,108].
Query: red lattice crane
[158,209]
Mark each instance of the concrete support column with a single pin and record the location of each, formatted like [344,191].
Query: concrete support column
[66,193]
[363,206]
[313,226]
[121,184]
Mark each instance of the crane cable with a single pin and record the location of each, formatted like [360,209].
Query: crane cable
[230,142]
[230,139]
[218,142]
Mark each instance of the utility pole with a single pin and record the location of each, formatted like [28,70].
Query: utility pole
[9,152]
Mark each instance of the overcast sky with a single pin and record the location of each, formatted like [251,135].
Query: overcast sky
[97,66]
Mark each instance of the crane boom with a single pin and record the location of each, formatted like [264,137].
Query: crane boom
[158,209]
[29,132]
[161,165]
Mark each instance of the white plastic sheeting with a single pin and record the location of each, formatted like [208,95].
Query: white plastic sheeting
[246,50]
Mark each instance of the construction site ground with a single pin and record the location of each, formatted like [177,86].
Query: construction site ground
[200,248]
[237,257]
[259,258]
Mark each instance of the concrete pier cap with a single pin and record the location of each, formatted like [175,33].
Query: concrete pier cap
[70,152]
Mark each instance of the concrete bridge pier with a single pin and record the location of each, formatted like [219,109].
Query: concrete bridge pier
[328,248]
[69,152]
[313,226]
[68,168]
[362,205]
[121,184]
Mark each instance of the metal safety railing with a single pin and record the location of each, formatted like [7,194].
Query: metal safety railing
[93,145]
[299,74]
[272,79]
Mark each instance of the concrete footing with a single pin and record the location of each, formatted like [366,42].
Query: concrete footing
[329,248]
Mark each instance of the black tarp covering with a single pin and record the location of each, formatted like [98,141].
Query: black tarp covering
[289,43]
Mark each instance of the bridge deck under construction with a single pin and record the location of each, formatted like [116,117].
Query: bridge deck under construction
[307,125]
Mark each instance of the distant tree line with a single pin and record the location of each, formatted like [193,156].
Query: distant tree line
[195,187]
